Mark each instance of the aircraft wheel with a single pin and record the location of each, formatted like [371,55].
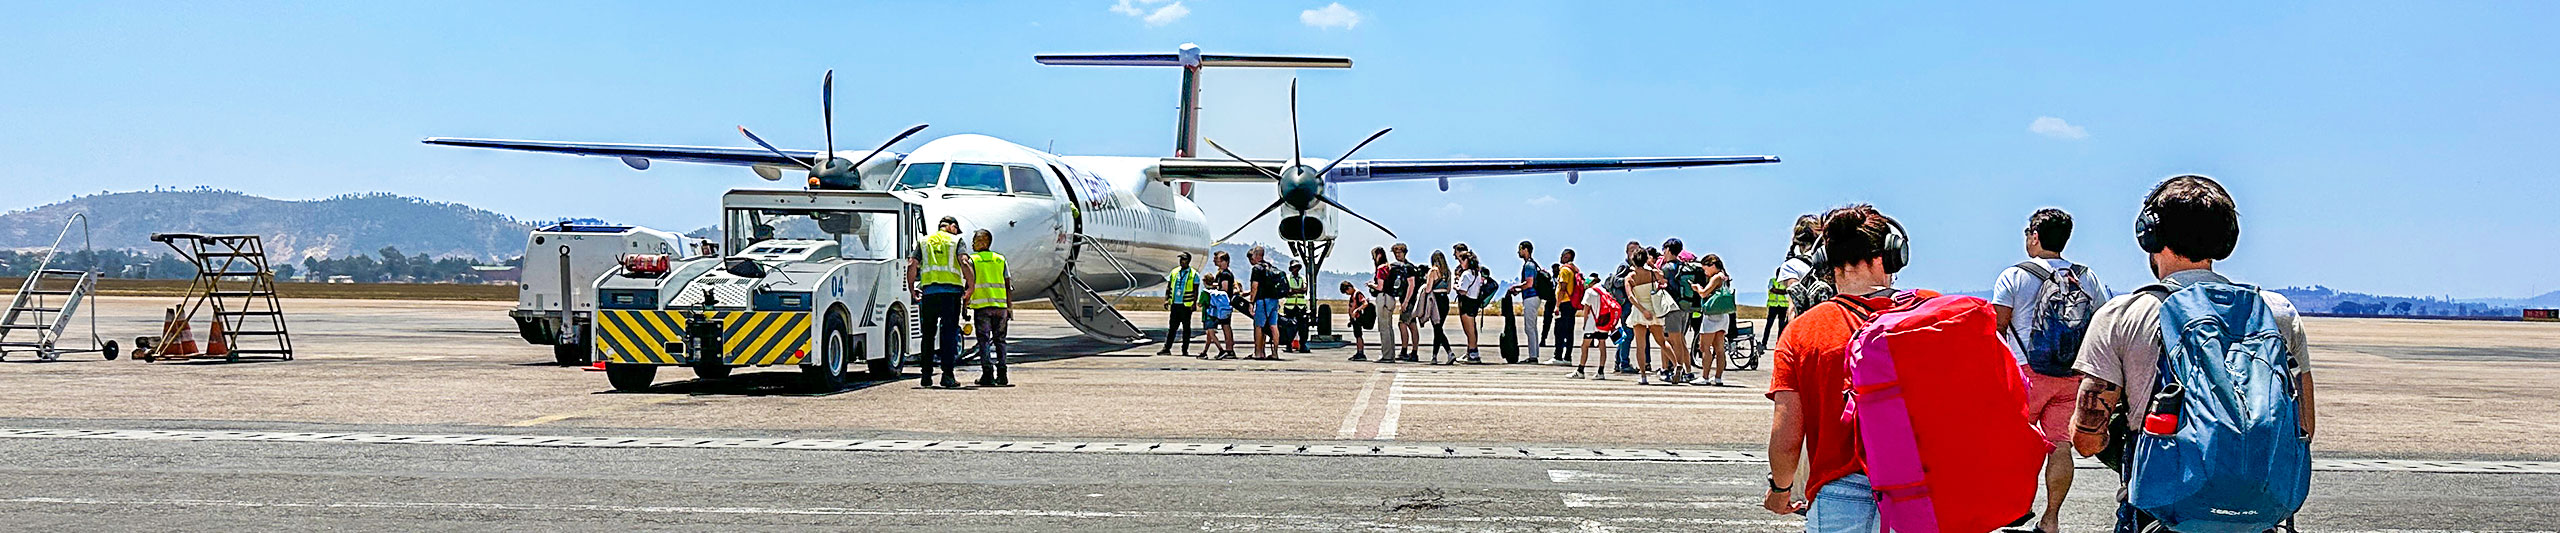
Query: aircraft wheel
[711,370]
[574,354]
[630,377]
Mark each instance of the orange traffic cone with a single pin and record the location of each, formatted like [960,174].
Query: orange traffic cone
[213,344]
[182,339]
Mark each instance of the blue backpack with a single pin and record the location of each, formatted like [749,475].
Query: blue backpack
[2061,317]
[2238,461]
[1219,304]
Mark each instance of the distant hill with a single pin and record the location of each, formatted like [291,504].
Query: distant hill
[292,229]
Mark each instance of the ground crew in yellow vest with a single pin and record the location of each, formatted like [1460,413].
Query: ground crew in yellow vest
[942,278]
[1293,309]
[1181,296]
[988,306]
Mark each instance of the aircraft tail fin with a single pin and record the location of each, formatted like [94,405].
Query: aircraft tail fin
[1187,128]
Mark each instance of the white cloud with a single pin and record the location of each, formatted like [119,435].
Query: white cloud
[1544,200]
[1157,16]
[2056,128]
[1330,16]
[1451,210]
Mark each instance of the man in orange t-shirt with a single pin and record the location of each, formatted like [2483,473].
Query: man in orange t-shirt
[1809,377]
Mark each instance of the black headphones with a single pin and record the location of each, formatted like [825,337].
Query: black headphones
[2146,231]
[1897,249]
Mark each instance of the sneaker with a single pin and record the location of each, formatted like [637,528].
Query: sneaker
[1716,382]
[1577,374]
[1167,350]
[1473,359]
[1356,357]
[1699,381]
[1640,380]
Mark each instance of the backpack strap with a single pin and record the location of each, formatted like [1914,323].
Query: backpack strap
[2038,270]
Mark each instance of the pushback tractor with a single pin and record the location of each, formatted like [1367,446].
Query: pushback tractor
[811,278]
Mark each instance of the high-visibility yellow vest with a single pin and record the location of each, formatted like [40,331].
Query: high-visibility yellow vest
[1181,286]
[989,291]
[941,261]
[1297,300]
[1777,293]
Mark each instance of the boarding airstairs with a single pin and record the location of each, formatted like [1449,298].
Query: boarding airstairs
[42,310]
[1086,309]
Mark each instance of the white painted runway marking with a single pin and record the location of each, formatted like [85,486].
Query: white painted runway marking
[1559,475]
[1595,501]
[844,511]
[1636,455]
[1359,407]
[1553,391]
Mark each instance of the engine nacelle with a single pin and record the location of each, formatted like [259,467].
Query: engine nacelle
[1302,228]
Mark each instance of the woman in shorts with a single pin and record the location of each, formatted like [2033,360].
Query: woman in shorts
[1470,280]
[1711,329]
[1644,311]
[1364,316]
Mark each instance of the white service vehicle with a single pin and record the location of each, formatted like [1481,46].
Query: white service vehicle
[817,280]
[561,264]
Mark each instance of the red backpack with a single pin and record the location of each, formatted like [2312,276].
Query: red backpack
[1940,409]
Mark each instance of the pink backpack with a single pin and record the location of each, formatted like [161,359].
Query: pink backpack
[1940,409]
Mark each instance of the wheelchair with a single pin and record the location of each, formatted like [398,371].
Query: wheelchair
[1742,346]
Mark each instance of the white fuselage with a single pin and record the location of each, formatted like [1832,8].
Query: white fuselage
[1134,224]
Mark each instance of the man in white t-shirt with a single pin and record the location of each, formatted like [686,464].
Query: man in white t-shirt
[2018,298]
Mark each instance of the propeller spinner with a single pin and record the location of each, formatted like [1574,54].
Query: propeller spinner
[1301,186]
[829,171]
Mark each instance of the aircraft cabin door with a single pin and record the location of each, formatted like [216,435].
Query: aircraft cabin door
[1082,307]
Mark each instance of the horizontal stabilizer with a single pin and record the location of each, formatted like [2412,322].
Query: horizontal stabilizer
[1205,60]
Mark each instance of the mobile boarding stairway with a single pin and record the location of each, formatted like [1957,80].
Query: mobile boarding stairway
[42,310]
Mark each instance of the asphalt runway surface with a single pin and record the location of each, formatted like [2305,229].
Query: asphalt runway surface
[443,420]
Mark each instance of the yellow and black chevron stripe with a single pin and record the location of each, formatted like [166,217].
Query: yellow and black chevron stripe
[751,338]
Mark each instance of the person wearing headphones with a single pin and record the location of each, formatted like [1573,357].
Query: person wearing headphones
[942,277]
[1809,377]
[2188,223]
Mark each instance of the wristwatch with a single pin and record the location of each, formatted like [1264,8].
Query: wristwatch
[1775,489]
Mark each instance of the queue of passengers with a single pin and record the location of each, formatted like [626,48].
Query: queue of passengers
[2086,370]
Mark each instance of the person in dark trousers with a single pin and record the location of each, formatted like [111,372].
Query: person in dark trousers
[1568,303]
[991,307]
[1181,297]
[942,278]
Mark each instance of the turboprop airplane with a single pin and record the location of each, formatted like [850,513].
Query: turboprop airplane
[1073,226]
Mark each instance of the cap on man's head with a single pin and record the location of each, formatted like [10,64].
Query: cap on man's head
[952,220]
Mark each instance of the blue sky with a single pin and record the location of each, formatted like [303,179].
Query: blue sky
[2399,148]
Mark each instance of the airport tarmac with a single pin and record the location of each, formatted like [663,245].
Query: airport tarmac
[2401,391]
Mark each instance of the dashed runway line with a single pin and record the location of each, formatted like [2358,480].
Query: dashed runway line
[1549,390]
[1564,454]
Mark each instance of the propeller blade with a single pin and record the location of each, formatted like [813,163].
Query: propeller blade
[827,106]
[1213,143]
[875,152]
[1295,153]
[1257,217]
[1354,214]
[776,151]
[1346,155]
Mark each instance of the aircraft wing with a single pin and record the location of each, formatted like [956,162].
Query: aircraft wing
[710,155]
[1368,170]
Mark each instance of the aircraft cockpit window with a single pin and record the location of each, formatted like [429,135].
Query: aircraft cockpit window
[918,176]
[1027,181]
[976,177]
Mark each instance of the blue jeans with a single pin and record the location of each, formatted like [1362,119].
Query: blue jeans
[1846,505]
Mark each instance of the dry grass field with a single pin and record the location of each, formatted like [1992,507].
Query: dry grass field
[334,291]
